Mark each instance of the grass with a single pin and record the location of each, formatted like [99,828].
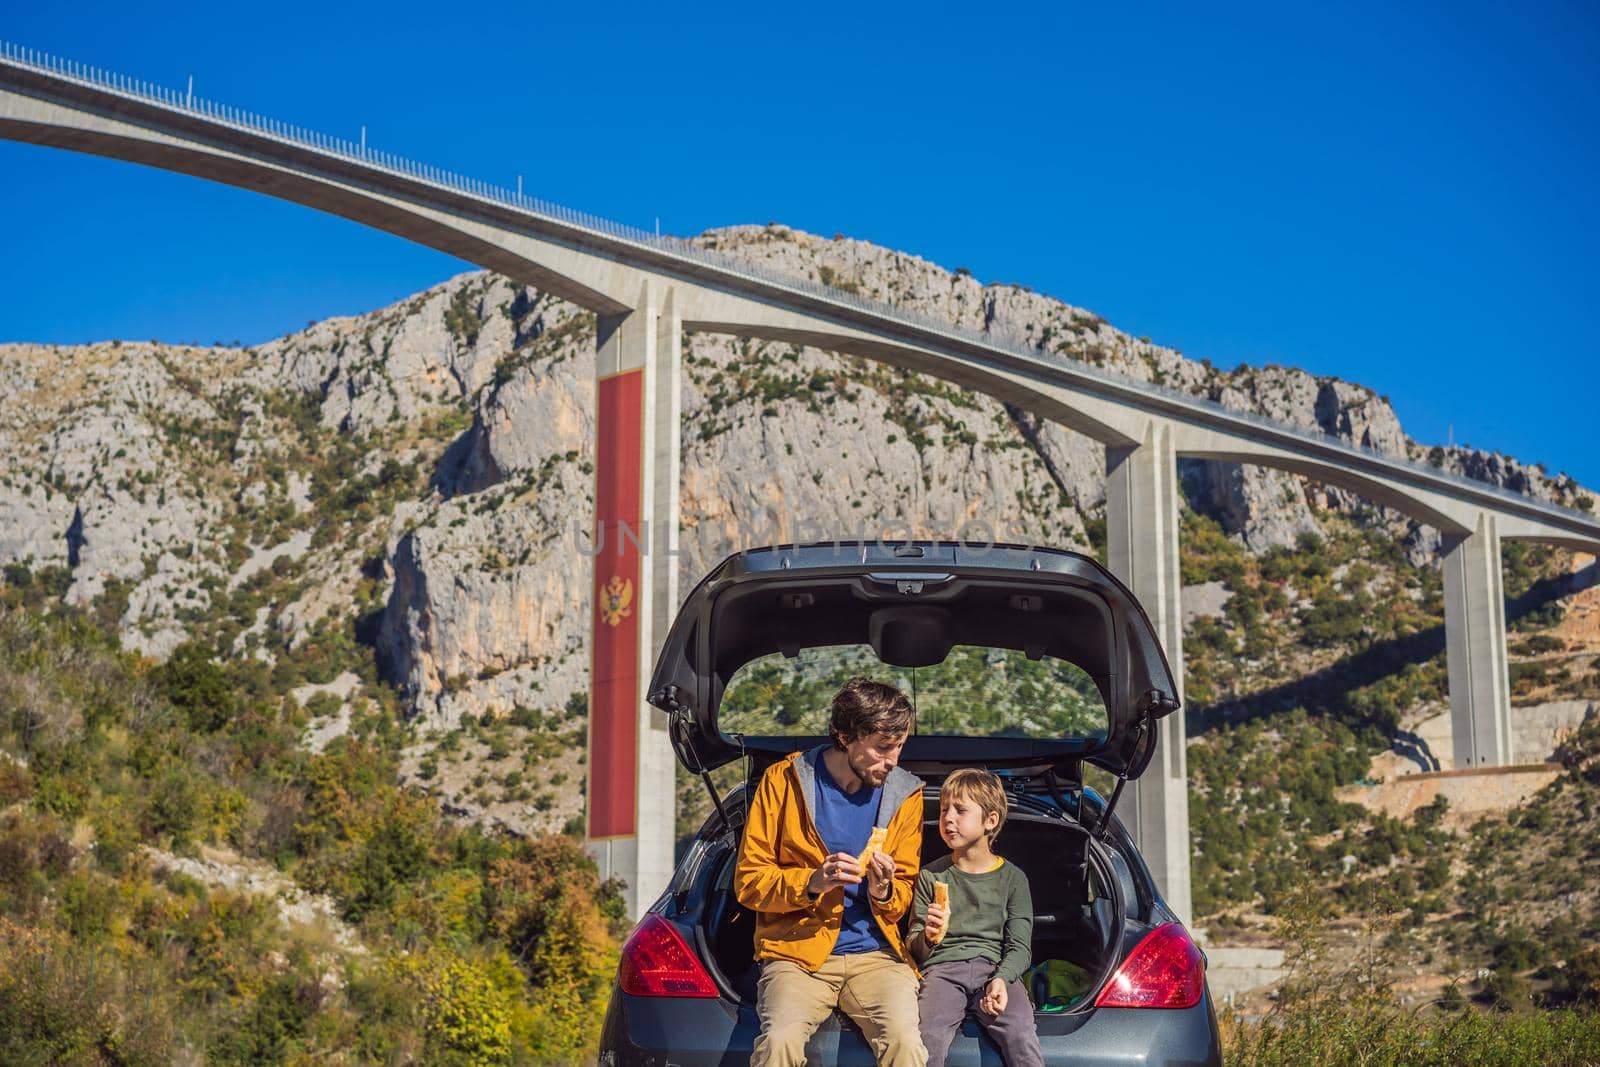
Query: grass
[1330,1034]
[1341,1008]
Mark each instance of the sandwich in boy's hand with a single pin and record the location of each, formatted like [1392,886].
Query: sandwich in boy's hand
[941,897]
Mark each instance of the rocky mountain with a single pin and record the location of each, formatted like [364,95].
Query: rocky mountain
[400,494]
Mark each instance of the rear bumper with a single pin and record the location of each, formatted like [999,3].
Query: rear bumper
[656,1031]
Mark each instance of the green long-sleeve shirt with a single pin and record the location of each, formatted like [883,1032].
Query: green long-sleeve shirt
[991,917]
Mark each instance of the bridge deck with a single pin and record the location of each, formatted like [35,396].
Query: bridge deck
[1220,432]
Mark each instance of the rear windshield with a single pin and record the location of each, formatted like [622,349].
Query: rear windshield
[975,692]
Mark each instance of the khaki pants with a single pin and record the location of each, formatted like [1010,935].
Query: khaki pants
[876,990]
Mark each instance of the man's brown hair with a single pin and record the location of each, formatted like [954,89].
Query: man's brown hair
[980,787]
[864,707]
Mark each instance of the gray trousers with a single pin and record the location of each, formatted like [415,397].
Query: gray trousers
[950,990]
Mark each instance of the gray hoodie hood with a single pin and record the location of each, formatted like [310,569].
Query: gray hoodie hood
[900,784]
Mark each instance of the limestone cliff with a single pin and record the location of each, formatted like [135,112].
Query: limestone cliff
[421,472]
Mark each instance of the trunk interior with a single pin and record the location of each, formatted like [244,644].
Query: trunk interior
[1076,913]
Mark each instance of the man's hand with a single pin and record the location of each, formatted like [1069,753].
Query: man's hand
[838,869]
[880,876]
[933,926]
[994,997]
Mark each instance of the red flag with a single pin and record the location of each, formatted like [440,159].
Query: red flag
[614,625]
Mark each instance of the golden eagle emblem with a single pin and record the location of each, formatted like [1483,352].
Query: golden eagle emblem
[616,600]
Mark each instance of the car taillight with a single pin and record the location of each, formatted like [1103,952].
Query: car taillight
[657,963]
[1165,970]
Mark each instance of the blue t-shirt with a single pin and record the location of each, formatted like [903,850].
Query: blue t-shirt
[845,822]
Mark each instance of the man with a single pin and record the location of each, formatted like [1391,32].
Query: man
[826,922]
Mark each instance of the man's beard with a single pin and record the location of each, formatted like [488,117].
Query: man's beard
[865,776]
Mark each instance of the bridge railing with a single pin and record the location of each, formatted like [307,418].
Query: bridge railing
[1006,339]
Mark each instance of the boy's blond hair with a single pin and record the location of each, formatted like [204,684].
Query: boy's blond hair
[980,787]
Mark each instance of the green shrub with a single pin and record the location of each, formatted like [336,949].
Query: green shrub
[177,805]
[88,906]
[1338,619]
[323,705]
[467,1015]
[198,688]
[1504,990]
[1540,644]
[1435,873]
[275,1020]
[395,852]
[16,783]
[33,851]
[1517,950]
[64,1003]
[1580,979]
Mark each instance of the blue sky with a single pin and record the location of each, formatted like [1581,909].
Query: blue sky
[1399,195]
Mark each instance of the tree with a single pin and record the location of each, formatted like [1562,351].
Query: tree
[198,688]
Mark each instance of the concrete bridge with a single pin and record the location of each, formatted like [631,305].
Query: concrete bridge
[648,290]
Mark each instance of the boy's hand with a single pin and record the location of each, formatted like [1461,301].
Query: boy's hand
[994,997]
[933,926]
[880,876]
[838,869]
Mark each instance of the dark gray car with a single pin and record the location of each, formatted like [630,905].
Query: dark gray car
[1031,662]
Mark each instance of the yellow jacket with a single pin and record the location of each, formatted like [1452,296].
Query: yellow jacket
[781,849]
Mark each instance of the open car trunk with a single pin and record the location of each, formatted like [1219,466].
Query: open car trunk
[1077,907]
[1040,656]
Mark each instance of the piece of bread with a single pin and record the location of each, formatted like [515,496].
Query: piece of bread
[874,844]
[941,896]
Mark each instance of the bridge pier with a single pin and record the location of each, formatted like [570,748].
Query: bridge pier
[1475,647]
[1142,543]
[631,795]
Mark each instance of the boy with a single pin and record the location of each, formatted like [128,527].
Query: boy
[973,951]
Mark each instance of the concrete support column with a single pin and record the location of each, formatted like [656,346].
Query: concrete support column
[1142,543]
[631,799]
[1475,644]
